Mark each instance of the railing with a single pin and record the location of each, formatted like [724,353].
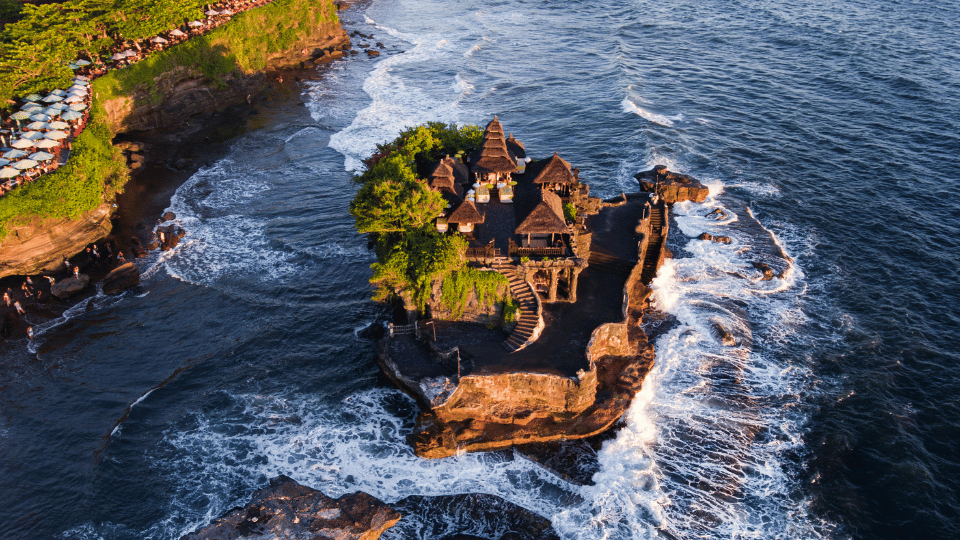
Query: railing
[538,251]
[402,329]
[482,253]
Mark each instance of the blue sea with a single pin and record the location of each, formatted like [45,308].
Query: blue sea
[834,124]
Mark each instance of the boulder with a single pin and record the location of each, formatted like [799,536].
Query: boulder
[717,239]
[168,216]
[171,236]
[726,338]
[292,511]
[123,277]
[473,516]
[136,246]
[673,187]
[765,269]
[70,286]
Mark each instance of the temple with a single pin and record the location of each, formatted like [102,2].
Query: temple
[578,269]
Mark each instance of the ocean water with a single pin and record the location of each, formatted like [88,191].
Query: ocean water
[832,124]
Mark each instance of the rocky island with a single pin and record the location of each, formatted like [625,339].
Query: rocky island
[525,326]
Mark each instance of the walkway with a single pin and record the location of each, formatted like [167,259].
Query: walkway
[522,292]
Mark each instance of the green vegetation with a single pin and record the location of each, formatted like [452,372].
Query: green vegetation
[96,171]
[36,50]
[397,209]
[511,311]
[486,284]
[10,10]
[569,212]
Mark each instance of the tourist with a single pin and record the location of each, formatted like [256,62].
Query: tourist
[66,262]
[120,257]
[76,272]
[95,252]
[50,278]
[6,298]
[30,332]
[19,308]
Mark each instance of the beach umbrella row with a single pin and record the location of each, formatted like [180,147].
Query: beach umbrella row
[8,172]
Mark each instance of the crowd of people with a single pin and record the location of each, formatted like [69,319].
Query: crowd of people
[36,139]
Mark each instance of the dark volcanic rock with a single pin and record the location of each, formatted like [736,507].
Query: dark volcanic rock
[472,515]
[765,269]
[292,511]
[123,277]
[168,216]
[169,236]
[70,286]
[717,239]
[673,187]
[136,246]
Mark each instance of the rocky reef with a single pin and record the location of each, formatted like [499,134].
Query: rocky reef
[672,187]
[286,509]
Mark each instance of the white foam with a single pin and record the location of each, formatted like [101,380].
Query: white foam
[666,121]
[220,242]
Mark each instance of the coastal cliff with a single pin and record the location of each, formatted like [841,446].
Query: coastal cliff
[201,76]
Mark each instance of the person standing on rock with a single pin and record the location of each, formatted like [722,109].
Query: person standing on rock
[51,280]
[19,308]
[96,253]
[120,258]
[30,332]
[76,272]
[6,298]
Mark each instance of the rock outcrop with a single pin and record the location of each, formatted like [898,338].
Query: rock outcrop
[469,516]
[292,511]
[126,276]
[70,286]
[42,246]
[673,187]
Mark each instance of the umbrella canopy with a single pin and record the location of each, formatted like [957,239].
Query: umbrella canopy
[158,39]
[41,156]
[57,124]
[177,32]
[71,115]
[30,105]
[226,12]
[4,162]
[73,99]
[55,135]
[47,143]
[9,172]
[20,115]
[78,106]
[211,13]
[51,112]
[52,98]
[81,63]
[58,92]
[22,143]
[32,97]
[38,125]
[118,56]
[78,89]
[15,154]
[31,135]
[58,107]
[80,77]
[194,24]
[40,117]
[77,81]
[25,164]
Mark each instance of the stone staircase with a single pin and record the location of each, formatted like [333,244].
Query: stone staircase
[529,320]
[654,247]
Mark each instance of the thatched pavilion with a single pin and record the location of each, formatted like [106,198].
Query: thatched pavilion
[545,225]
[554,174]
[493,162]
[466,216]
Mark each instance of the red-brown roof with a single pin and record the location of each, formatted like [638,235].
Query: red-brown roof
[546,217]
[555,171]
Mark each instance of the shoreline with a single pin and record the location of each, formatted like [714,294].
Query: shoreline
[170,157]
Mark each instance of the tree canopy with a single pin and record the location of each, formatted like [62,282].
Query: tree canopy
[397,209]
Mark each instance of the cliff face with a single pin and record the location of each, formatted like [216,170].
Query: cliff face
[29,250]
[164,90]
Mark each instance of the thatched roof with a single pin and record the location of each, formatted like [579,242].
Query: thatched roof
[466,213]
[515,148]
[449,175]
[554,171]
[461,174]
[494,127]
[546,217]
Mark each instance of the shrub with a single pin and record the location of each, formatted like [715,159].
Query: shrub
[569,212]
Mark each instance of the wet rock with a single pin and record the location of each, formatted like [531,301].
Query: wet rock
[726,338]
[168,216]
[136,246]
[169,236]
[765,269]
[717,239]
[70,286]
[123,277]
[717,213]
[289,510]
[673,187]
[372,53]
